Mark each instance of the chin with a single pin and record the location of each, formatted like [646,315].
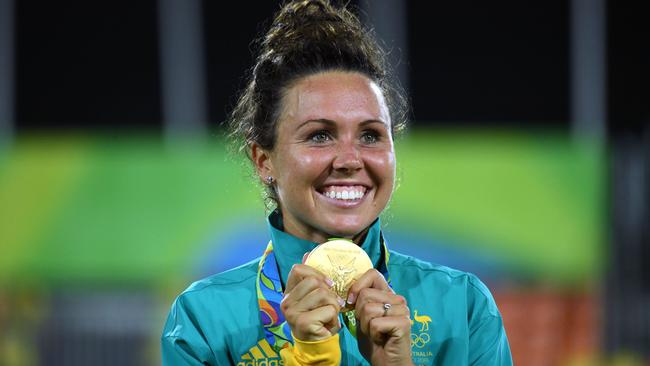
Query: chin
[347,228]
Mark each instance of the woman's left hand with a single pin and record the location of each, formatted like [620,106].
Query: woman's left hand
[384,335]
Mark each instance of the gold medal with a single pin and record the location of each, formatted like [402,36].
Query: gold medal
[342,261]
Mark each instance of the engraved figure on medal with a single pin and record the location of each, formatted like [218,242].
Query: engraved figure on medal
[341,275]
[342,261]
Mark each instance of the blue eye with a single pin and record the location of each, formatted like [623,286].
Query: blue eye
[319,137]
[369,137]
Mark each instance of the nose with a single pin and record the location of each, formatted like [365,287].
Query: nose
[348,158]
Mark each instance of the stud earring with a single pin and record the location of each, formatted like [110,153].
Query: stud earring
[269,180]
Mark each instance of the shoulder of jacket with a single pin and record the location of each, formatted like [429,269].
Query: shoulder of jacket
[477,292]
[225,280]
[403,260]
[197,302]
[482,295]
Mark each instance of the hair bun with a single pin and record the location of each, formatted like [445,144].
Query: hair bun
[307,37]
[303,11]
[305,21]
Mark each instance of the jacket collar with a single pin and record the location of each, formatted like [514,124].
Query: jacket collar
[289,249]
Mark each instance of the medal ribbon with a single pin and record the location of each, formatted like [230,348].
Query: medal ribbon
[270,293]
[269,296]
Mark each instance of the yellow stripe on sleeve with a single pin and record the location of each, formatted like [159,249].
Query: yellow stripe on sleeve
[266,347]
[257,354]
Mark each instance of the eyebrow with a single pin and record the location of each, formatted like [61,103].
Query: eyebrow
[329,122]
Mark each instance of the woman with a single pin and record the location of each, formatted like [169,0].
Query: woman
[317,120]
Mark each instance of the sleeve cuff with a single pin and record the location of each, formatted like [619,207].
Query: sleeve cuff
[323,352]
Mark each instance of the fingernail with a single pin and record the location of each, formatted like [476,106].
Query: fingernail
[352,298]
[329,282]
[340,301]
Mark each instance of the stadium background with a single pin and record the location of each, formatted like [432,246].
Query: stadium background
[526,162]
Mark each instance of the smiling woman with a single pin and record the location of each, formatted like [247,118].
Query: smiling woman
[317,120]
[333,162]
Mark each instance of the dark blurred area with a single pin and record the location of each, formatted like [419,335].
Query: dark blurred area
[93,94]
[87,65]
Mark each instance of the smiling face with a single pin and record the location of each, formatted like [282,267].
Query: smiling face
[333,160]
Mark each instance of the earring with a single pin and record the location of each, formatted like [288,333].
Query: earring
[269,180]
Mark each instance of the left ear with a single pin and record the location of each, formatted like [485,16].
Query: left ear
[262,162]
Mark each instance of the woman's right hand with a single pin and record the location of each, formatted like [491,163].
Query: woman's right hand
[309,306]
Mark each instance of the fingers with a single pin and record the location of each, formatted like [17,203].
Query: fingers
[388,336]
[300,290]
[367,295]
[379,329]
[309,305]
[300,272]
[370,306]
[313,322]
[318,297]
[307,295]
[371,279]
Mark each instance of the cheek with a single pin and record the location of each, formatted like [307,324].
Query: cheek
[303,165]
[382,165]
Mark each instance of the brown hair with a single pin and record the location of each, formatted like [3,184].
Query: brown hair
[307,37]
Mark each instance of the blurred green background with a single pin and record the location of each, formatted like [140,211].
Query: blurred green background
[129,210]
[99,233]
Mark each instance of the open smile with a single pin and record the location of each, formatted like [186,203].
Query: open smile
[344,196]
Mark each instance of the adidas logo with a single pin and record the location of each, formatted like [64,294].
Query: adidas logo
[261,355]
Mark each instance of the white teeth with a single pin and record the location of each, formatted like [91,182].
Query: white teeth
[348,195]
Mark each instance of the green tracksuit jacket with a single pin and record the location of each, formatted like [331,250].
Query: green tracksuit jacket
[216,321]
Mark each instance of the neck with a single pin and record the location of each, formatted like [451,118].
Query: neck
[317,236]
[359,238]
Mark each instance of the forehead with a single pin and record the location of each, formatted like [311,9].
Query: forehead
[337,96]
